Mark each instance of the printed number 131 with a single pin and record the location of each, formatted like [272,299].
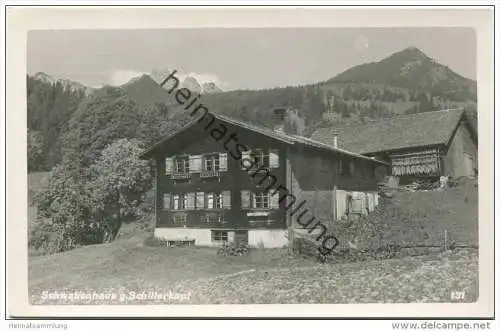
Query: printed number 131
[456,295]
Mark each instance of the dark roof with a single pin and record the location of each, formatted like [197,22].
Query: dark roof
[394,133]
[282,137]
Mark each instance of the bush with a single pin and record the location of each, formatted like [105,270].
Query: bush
[307,247]
[82,206]
[233,249]
[153,241]
[48,238]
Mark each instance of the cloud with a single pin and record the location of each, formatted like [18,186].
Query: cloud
[361,43]
[122,76]
[205,78]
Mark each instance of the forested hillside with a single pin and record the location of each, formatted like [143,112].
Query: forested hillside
[63,120]
[49,109]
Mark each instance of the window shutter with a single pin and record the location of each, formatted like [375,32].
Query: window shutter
[200,200]
[195,163]
[166,201]
[176,201]
[223,161]
[190,201]
[226,199]
[245,155]
[210,200]
[274,200]
[274,161]
[254,201]
[245,199]
[169,162]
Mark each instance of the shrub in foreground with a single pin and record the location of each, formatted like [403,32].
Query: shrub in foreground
[153,241]
[233,249]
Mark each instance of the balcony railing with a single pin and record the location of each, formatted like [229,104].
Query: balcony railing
[213,218]
[261,222]
[209,173]
[258,169]
[179,218]
[180,175]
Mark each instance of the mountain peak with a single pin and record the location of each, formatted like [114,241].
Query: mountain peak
[412,69]
[409,54]
[67,83]
[143,77]
[191,84]
[44,77]
[211,87]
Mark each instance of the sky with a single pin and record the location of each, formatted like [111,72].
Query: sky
[238,58]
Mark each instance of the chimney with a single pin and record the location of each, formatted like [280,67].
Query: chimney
[335,140]
[279,115]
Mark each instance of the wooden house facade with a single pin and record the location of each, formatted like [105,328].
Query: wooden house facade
[220,180]
[423,145]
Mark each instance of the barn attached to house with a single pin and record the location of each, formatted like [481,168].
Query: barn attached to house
[422,145]
[221,180]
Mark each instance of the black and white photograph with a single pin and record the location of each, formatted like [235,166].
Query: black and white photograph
[258,165]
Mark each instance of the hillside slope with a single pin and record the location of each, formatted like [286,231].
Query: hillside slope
[267,276]
[146,92]
[411,69]
[419,219]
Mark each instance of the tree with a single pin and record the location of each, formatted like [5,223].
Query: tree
[36,146]
[64,210]
[106,116]
[49,107]
[119,180]
[86,205]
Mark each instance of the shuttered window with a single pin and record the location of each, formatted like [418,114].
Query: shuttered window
[245,199]
[212,162]
[180,201]
[262,158]
[214,201]
[194,163]
[261,200]
[182,165]
[274,161]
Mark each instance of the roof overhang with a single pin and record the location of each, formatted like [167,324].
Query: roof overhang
[281,137]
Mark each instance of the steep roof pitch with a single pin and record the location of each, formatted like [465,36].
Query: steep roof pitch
[398,132]
[282,137]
